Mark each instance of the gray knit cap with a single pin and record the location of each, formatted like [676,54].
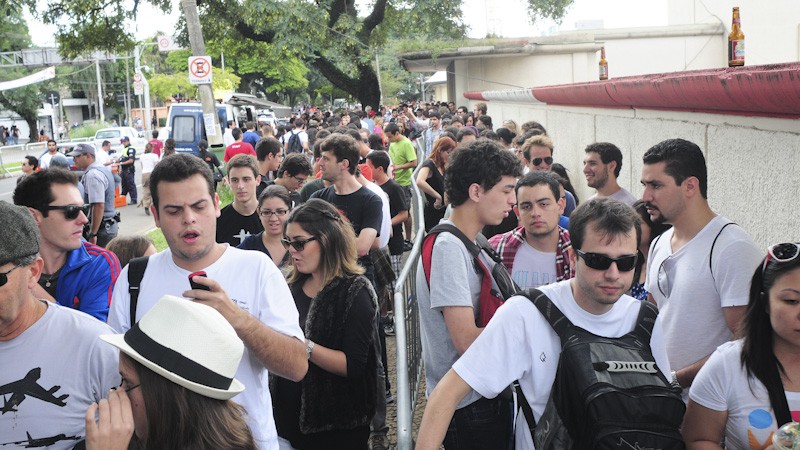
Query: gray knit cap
[20,234]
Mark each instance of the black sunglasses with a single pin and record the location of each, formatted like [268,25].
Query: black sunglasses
[4,276]
[298,245]
[537,161]
[71,212]
[599,261]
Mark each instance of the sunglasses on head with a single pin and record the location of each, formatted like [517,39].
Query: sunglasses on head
[599,261]
[4,276]
[297,244]
[71,212]
[781,253]
[548,160]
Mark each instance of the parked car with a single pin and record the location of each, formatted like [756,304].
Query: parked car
[114,134]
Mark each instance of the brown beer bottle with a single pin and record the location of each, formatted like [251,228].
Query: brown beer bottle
[736,41]
[603,64]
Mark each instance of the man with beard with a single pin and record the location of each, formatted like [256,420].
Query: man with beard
[601,167]
[699,271]
[537,252]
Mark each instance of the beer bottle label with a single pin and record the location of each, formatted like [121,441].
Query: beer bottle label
[603,72]
[736,50]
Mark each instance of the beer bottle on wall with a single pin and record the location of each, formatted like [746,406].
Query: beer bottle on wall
[736,41]
[603,64]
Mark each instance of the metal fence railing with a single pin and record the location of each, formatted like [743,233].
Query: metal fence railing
[407,337]
[11,154]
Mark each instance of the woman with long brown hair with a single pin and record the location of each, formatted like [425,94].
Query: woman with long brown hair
[332,406]
[430,180]
[177,382]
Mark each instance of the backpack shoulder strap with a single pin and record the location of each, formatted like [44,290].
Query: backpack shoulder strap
[711,253]
[550,311]
[136,268]
[483,244]
[645,321]
[473,249]
[426,254]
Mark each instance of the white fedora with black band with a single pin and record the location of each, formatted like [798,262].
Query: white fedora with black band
[188,343]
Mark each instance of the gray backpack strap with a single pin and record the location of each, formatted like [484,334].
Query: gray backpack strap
[711,253]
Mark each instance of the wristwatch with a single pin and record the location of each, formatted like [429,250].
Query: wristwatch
[309,348]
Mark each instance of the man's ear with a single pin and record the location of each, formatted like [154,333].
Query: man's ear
[37,215]
[475,190]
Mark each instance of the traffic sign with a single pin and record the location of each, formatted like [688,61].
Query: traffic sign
[138,88]
[52,97]
[137,77]
[164,43]
[200,69]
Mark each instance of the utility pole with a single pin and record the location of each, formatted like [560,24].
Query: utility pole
[137,68]
[213,131]
[99,91]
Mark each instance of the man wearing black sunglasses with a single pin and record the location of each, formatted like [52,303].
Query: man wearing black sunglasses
[54,364]
[537,154]
[519,343]
[77,274]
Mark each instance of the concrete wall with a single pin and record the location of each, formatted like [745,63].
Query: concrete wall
[752,162]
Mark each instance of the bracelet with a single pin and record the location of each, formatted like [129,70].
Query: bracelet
[309,348]
[675,381]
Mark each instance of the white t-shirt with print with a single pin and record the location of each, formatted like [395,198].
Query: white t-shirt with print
[60,366]
[533,268]
[723,385]
[519,344]
[256,285]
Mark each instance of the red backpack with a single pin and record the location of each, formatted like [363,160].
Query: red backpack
[490,299]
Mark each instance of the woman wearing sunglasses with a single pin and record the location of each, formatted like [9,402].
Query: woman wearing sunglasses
[332,406]
[750,387]
[274,205]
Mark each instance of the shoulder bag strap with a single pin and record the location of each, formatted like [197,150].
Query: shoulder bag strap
[136,268]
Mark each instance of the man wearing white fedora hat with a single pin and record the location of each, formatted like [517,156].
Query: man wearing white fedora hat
[53,364]
[245,287]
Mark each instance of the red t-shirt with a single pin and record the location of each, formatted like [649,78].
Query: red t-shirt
[237,148]
[157,146]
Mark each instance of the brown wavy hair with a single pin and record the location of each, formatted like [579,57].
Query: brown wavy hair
[180,419]
[442,145]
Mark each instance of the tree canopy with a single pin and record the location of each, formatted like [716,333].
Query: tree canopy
[25,100]
[331,36]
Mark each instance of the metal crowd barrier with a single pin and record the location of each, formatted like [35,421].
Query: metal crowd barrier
[15,153]
[407,333]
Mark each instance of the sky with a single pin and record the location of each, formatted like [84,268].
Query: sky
[482,16]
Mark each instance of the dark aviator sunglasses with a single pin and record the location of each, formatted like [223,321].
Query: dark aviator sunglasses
[599,261]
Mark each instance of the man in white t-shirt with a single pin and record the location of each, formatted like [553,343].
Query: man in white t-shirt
[601,167]
[300,132]
[538,251]
[54,364]
[519,343]
[245,287]
[52,150]
[698,271]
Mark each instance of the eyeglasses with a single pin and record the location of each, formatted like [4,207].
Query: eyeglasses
[781,253]
[127,389]
[299,180]
[297,244]
[548,160]
[268,212]
[4,276]
[599,261]
[71,212]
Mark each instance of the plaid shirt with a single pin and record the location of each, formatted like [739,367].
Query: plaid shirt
[507,244]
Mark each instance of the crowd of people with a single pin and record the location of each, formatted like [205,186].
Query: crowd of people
[283,344]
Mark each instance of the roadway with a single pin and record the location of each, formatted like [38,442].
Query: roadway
[134,220]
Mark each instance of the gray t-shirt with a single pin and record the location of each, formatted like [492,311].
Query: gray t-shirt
[454,282]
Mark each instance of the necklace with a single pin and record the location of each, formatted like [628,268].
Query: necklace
[49,278]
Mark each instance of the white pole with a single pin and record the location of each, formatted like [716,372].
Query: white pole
[99,91]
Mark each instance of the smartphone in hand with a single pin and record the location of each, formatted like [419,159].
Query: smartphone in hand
[195,285]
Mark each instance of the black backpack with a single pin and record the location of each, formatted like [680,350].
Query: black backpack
[608,392]
[294,146]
